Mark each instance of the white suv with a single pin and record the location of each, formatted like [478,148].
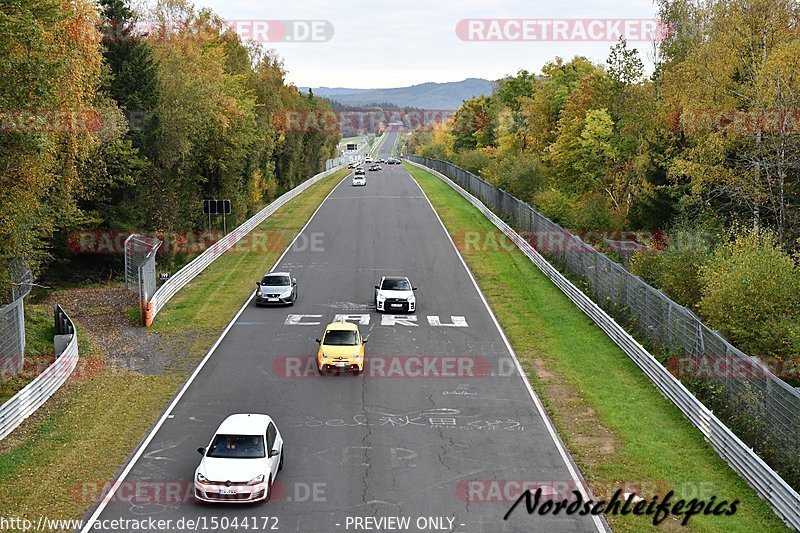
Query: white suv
[395,294]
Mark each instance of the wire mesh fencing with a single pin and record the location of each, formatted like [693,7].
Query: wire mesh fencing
[12,320]
[760,407]
[139,249]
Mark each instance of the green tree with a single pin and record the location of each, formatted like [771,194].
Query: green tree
[751,293]
[48,78]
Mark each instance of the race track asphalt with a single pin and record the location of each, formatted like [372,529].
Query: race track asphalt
[387,443]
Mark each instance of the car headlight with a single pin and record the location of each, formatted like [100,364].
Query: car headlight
[256,480]
[324,355]
[381,297]
[411,298]
[203,480]
[286,293]
[259,293]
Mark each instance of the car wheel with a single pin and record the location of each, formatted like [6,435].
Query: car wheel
[356,372]
[269,490]
[280,464]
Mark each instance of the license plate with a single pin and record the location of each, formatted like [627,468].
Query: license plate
[227,492]
[341,364]
[272,299]
[397,305]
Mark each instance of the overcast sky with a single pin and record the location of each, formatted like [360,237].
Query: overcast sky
[395,44]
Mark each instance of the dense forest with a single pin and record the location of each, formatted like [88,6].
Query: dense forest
[705,151]
[118,120]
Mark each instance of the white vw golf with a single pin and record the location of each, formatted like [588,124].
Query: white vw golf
[241,461]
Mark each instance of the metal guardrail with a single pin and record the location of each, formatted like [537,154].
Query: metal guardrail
[767,483]
[179,280]
[29,399]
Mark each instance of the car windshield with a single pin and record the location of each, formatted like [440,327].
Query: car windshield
[396,285]
[237,447]
[275,281]
[340,338]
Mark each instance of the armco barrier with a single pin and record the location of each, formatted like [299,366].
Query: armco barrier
[35,393]
[179,280]
[767,483]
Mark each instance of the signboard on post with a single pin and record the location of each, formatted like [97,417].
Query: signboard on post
[217,207]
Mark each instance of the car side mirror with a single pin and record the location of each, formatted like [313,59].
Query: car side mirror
[294,281]
[377,287]
[413,288]
[365,341]
[201,451]
[318,341]
[273,453]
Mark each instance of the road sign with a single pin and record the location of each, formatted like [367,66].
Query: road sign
[216,207]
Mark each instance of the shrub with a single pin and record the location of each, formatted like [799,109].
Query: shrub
[555,205]
[595,213]
[472,160]
[751,293]
[521,176]
[649,266]
[434,151]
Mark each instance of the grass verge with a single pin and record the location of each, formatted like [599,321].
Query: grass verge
[61,458]
[620,430]
[39,351]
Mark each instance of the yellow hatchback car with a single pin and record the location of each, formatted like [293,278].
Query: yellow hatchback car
[341,348]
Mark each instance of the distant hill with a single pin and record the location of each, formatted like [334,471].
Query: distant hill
[423,96]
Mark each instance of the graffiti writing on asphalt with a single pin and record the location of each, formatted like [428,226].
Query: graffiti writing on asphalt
[427,419]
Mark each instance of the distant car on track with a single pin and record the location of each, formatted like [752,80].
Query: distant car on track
[359,180]
[367,159]
[241,462]
[276,288]
[393,161]
[395,294]
[373,168]
[359,171]
[341,348]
